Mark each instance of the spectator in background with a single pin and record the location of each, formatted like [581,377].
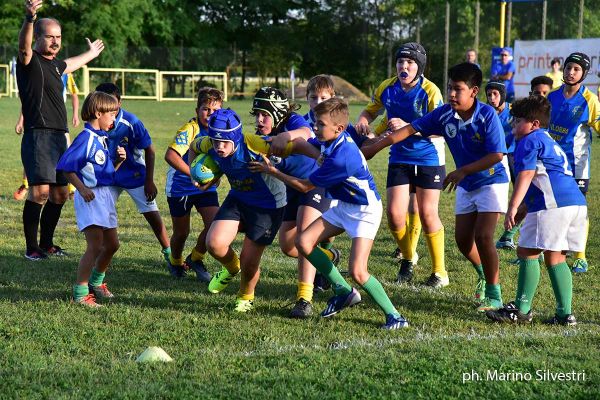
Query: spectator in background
[556,74]
[471,57]
[505,71]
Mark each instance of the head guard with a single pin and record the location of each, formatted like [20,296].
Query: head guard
[272,101]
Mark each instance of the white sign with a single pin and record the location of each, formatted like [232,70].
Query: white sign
[532,58]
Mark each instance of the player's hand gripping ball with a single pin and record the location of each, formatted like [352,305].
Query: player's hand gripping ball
[204,169]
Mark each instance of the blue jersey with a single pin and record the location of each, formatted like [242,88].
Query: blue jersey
[506,121]
[180,184]
[469,141]
[415,103]
[571,121]
[251,188]
[343,172]
[296,165]
[351,130]
[89,158]
[129,132]
[553,185]
[503,69]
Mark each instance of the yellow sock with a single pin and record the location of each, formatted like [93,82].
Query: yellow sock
[71,188]
[435,244]
[175,261]
[245,296]
[26,183]
[413,229]
[196,255]
[401,238]
[233,266]
[305,291]
[581,254]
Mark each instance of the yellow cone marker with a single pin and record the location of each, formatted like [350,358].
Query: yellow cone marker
[153,354]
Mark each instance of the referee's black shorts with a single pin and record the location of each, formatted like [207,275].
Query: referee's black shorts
[40,151]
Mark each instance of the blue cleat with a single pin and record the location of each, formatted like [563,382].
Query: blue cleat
[339,302]
[393,322]
[198,267]
[506,243]
[177,271]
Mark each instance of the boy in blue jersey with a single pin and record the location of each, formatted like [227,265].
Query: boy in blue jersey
[476,140]
[575,112]
[183,195]
[87,164]
[344,173]
[417,163]
[254,205]
[136,174]
[556,214]
[275,118]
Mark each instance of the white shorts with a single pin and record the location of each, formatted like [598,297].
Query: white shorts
[101,211]
[488,198]
[138,196]
[357,220]
[556,229]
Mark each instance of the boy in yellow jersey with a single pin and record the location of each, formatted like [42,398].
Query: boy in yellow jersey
[419,162]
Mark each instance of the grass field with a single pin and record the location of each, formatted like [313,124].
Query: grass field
[52,349]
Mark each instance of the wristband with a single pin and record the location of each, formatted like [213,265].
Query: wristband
[30,18]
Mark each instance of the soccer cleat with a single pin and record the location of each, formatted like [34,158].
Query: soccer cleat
[199,268]
[243,305]
[101,292]
[397,253]
[405,274]
[178,271]
[510,313]
[489,305]
[21,193]
[568,320]
[393,322]
[302,309]
[36,255]
[580,265]
[339,302]
[336,256]
[56,251]
[88,301]
[480,291]
[506,243]
[320,283]
[220,281]
[436,281]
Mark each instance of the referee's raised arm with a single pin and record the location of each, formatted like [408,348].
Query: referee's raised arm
[26,33]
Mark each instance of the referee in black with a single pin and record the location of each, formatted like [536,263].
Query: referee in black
[39,75]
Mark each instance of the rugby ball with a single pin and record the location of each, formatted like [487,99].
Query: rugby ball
[204,169]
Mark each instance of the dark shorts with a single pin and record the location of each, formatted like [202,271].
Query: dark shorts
[40,151]
[583,185]
[425,177]
[316,199]
[259,224]
[182,206]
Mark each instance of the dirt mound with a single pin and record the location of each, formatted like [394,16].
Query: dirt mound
[343,89]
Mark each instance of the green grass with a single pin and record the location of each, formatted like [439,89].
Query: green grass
[51,349]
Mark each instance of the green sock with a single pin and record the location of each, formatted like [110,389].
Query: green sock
[492,291]
[324,265]
[479,269]
[510,233]
[529,278]
[377,293]
[562,285]
[97,278]
[326,245]
[80,291]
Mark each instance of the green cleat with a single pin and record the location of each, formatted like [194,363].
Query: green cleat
[220,281]
[480,291]
[489,305]
[243,305]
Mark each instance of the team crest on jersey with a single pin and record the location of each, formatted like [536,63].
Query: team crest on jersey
[100,157]
[451,130]
[419,106]
[181,138]
[477,138]
[577,112]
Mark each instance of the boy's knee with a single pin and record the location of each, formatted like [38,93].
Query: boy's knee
[359,277]
[304,246]
[288,248]
[112,246]
[484,237]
